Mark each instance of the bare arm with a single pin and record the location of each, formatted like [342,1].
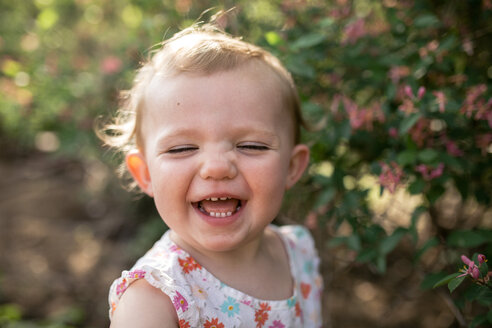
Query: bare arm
[144,306]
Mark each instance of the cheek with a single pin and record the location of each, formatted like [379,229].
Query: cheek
[169,183]
[268,181]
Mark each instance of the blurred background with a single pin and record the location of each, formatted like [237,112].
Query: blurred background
[386,234]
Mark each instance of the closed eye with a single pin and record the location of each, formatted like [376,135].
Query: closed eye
[181,149]
[257,147]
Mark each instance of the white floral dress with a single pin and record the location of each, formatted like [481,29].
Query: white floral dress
[201,300]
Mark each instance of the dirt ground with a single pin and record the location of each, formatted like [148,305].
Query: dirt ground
[61,247]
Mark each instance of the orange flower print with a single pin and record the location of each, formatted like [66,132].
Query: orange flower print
[188,264]
[305,290]
[298,310]
[265,307]
[214,323]
[261,315]
[184,324]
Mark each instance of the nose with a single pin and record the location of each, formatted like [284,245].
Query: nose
[218,166]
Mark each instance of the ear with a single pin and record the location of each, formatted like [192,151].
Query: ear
[135,161]
[299,160]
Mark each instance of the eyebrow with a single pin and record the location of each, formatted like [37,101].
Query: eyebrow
[190,132]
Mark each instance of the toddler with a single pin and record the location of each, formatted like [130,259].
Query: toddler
[211,130]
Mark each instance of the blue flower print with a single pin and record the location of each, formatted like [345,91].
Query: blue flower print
[291,302]
[308,267]
[231,307]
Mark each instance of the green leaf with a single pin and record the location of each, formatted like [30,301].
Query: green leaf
[389,243]
[433,242]
[434,193]
[454,283]
[325,197]
[484,269]
[273,38]
[465,238]
[408,122]
[489,316]
[308,40]
[426,20]
[367,255]
[353,242]
[478,320]
[428,155]
[417,186]
[473,292]
[446,279]
[381,263]
[430,280]
[407,157]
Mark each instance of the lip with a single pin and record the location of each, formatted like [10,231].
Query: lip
[221,221]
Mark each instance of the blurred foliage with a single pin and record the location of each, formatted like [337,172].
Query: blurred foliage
[398,93]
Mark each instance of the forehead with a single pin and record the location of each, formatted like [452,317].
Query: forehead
[248,92]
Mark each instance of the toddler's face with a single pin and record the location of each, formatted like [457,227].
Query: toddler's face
[218,155]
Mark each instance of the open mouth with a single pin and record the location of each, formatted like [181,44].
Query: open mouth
[219,207]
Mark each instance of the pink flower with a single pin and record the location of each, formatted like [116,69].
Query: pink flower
[354,32]
[466,260]
[481,259]
[111,65]
[453,149]
[483,142]
[428,173]
[393,132]
[390,176]
[180,302]
[408,91]
[472,101]
[360,118]
[397,72]
[440,99]
[421,132]
[420,93]
[472,269]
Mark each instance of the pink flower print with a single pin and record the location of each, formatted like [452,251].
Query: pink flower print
[121,287]
[246,302]
[180,302]
[390,176]
[137,274]
[277,324]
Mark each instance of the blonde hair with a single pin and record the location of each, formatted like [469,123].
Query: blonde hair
[200,49]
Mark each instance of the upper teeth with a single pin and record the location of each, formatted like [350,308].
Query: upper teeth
[215,199]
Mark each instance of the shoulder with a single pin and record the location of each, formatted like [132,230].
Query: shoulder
[297,235]
[143,305]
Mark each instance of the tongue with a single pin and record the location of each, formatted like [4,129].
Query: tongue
[220,206]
